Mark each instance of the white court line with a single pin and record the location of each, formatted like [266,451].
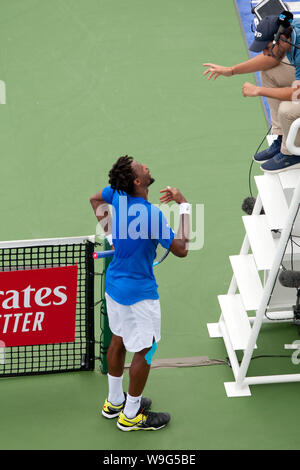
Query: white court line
[2,92]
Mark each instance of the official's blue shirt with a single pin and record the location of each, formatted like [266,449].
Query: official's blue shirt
[294,54]
[138,227]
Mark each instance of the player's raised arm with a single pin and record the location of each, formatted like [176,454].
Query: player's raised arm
[179,246]
[102,212]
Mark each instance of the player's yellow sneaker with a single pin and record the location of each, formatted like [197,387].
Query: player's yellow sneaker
[143,421]
[112,411]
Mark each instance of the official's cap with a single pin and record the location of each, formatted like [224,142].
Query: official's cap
[265,31]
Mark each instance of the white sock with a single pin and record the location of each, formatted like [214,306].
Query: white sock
[132,406]
[115,390]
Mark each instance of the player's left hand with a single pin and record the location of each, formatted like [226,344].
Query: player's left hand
[249,89]
[172,194]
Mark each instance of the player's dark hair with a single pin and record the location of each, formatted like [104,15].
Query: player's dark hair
[122,176]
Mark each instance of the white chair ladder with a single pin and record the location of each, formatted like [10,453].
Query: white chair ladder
[254,285]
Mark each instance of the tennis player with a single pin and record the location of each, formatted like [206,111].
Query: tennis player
[131,291]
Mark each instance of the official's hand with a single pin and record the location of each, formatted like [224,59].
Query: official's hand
[215,70]
[249,89]
[172,194]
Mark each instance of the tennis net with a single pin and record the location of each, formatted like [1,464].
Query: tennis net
[32,255]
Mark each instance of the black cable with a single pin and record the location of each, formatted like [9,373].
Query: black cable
[281,61]
[287,63]
[290,43]
[292,253]
[227,360]
[250,188]
[294,241]
[250,169]
[249,178]
[270,355]
[292,264]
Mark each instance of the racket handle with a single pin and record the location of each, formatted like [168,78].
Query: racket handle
[103,254]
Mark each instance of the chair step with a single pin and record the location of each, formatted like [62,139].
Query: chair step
[248,280]
[273,200]
[236,320]
[261,240]
[289,179]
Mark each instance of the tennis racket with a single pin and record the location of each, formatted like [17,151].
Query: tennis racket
[161,254]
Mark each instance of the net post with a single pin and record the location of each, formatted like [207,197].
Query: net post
[89,299]
[106,334]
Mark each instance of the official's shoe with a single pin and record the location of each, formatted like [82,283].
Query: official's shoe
[112,411]
[280,163]
[270,152]
[144,421]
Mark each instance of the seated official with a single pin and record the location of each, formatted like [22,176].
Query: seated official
[280,67]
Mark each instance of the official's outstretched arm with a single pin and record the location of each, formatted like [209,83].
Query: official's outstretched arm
[255,64]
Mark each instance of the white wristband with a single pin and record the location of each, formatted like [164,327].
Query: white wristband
[184,208]
[109,239]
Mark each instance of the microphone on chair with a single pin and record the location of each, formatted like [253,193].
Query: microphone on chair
[248,205]
[290,279]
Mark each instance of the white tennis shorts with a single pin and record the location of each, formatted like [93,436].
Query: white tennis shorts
[137,324]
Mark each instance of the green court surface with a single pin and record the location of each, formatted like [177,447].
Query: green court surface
[86,82]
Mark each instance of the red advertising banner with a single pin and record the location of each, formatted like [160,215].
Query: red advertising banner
[38,306]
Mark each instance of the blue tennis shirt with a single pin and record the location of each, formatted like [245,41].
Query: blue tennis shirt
[138,227]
